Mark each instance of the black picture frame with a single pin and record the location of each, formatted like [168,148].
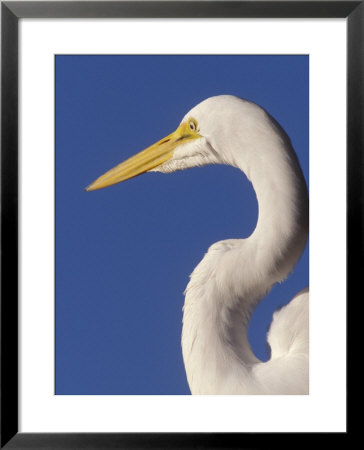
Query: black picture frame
[11,12]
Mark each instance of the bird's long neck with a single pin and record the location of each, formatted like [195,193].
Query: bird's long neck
[235,275]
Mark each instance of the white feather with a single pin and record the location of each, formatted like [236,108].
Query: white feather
[236,274]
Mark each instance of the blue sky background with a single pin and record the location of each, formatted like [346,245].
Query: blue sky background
[124,254]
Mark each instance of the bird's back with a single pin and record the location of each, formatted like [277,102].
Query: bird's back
[287,370]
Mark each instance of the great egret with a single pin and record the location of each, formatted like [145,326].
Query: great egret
[235,274]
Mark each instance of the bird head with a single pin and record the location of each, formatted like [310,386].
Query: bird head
[188,146]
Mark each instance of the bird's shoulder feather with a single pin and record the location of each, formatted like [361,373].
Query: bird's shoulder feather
[287,370]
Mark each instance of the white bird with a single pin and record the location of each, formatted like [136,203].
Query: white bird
[235,274]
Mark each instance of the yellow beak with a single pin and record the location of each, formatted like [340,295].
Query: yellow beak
[148,159]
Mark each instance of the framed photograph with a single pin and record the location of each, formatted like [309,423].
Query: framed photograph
[129,282]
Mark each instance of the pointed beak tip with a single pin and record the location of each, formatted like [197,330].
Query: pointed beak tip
[89,188]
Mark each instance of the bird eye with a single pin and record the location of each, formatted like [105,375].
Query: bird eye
[192,125]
